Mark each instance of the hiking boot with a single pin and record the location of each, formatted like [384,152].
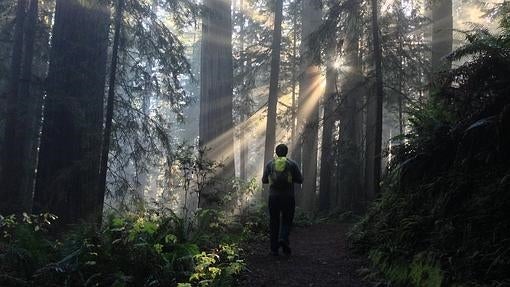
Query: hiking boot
[285,248]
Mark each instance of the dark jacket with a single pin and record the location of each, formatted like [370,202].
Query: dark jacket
[297,177]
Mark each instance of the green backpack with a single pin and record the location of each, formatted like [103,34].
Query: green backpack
[280,176]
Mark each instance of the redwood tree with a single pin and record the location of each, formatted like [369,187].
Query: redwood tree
[308,110]
[243,158]
[107,133]
[216,82]
[442,38]
[18,152]
[328,127]
[374,113]
[69,158]
[350,138]
[273,83]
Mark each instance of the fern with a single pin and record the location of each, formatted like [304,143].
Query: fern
[442,218]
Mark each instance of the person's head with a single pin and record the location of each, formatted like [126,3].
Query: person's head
[281,150]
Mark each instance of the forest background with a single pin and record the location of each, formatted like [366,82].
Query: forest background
[138,114]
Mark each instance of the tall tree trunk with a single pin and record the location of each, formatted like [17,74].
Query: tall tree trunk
[401,99]
[351,117]
[70,151]
[294,84]
[400,79]
[11,198]
[328,126]
[442,39]
[244,111]
[243,157]
[308,114]
[273,85]
[295,148]
[374,114]
[29,114]
[110,104]
[216,77]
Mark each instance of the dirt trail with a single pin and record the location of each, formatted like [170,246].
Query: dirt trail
[319,258]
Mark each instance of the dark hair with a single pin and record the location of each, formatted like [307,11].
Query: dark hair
[281,150]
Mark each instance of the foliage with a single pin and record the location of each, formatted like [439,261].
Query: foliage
[255,223]
[251,54]
[480,84]
[241,193]
[150,97]
[151,249]
[442,218]
[196,169]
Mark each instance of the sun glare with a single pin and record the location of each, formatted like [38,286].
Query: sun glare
[340,66]
[255,125]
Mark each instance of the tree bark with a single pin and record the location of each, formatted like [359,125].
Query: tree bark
[29,115]
[308,114]
[351,117]
[110,106]
[400,73]
[294,84]
[328,126]
[374,114]
[442,37]
[295,148]
[70,150]
[244,111]
[12,198]
[216,80]
[273,86]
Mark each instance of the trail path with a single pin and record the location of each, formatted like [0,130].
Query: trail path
[319,258]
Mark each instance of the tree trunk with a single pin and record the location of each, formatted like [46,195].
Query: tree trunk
[29,114]
[328,126]
[244,111]
[110,105]
[294,82]
[351,117]
[400,73]
[308,114]
[295,148]
[243,157]
[273,85]
[12,197]
[374,115]
[216,77]
[442,39]
[70,151]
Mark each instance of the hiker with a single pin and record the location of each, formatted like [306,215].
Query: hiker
[281,173]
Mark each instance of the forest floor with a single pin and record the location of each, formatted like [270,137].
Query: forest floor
[320,257]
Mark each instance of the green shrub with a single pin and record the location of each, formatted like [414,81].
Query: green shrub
[155,248]
[442,218]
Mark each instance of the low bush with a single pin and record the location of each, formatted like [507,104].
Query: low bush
[442,218]
[154,248]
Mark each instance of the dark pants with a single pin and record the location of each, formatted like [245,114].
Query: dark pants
[280,205]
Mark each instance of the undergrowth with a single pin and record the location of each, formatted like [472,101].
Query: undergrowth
[442,218]
[153,248]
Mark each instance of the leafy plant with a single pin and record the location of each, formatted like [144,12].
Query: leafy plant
[153,248]
[442,218]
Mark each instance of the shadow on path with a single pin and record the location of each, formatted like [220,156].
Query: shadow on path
[319,258]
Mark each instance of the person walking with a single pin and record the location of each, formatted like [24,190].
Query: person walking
[281,174]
